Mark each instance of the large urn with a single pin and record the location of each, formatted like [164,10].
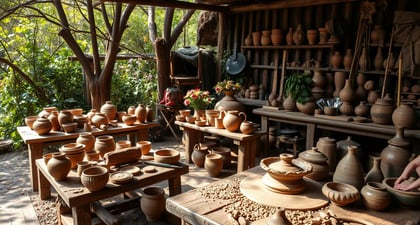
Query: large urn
[229,102]
[396,155]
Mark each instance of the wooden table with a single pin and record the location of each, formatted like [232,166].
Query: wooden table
[194,208]
[36,143]
[329,123]
[79,198]
[247,144]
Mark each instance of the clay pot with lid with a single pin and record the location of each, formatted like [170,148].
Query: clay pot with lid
[109,109]
[328,147]
[375,196]
[381,112]
[349,169]
[198,155]
[42,126]
[233,119]
[319,163]
[404,116]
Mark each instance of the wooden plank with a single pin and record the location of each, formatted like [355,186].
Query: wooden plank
[103,214]
[338,118]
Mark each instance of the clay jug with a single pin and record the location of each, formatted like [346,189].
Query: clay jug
[104,144]
[349,170]
[378,60]
[347,93]
[247,127]
[381,112]
[348,58]
[396,155]
[289,36]
[53,117]
[375,173]
[198,155]
[256,38]
[342,148]
[375,196]
[276,36]
[328,147]
[131,110]
[248,40]
[363,60]
[312,36]
[362,109]
[149,113]
[213,164]
[65,116]
[339,82]
[140,113]
[298,35]
[152,203]
[404,116]
[233,119]
[42,126]
[323,35]
[87,139]
[319,163]
[336,60]
[289,104]
[59,166]
[266,37]
[109,109]
[99,119]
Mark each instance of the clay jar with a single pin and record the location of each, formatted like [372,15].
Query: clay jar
[198,155]
[247,127]
[42,126]
[149,113]
[276,36]
[336,60]
[233,119]
[381,112]
[256,38]
[395,156]
[328,147]
[87,139]
[109,109]
[53,117]
[362,109]
[312,36]
[152,203]
[213,164]
[99,119]
[65,116]
[104,144]
[404,116]
[348,58]
[375,196]
[59,166]
[266,37]
[349,170]
[248,40]
[319,163]
[140,113]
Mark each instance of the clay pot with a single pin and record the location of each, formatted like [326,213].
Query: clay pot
[80,120]
[349,170]
[99,119]
[152,203]
[323,35]
[198,155]
[69,127]
[145,147]
[81,166]
[289,104]
[129,119]
[256,38]
[233,119]
[377,35]
[247,127]
[404,116]
[93,155]
[248,40]
[375,173]
[90,114]
[312,36]
[225,153]
[94,178]
[362,109]
[87,139]
[121,144]
[266,37]
[65,116]
[395,156]
[276,36]
[149,113]
[336,60]
[131,110]
[168,156]
[328,147]
[140,113]
[213,164]
[307,108]
[348,58]
[347,93]
[343,145]
[75,152]
[375,196]
[42,126]
[200,115]
[319,163]
[381,112]
[211,116]
[289,36]
[59,166]
[53,117]
[29,121]
[185,112]
[378,60]
[298,35]
[109,109]
[229,102]
[104,144]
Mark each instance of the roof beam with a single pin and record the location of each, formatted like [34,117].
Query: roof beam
[173,4]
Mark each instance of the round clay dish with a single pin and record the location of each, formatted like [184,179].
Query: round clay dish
[149,169]
[130,169]
[120,177]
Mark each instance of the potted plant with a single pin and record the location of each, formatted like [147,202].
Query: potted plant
[198,100]
[298,88]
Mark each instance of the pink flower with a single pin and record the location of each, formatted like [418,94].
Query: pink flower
[194,96]
[187,102]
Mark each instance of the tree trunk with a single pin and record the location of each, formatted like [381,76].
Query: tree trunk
[163,65]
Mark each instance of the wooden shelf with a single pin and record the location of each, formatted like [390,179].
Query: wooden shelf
[286,47]
[253,102]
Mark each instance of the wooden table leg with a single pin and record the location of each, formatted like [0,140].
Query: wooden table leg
[244,148]
[310,135]
[192,137]
[35,152]
[174,186]
[81,215]
[143,133]
[264,139]
[44,186]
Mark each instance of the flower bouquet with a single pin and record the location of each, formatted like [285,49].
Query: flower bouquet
[227,86]
[198,99]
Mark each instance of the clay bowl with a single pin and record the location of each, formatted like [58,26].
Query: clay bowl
[94,178]
[76,158]
[404,198]
[185,112]
[200,123]
[121,144]
[340,194]
[180,118]
[69,127]
[29,121]
[93,155]
[129,119]
[169,156]
[76,111]
[72,148]
[190,119]
[330,110]
[145,147]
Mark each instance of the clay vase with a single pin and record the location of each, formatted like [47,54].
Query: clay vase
[140,113]
[233,119]
[198,155]
[200,114]
[377,34]
[328,147]
[213,164]
[323,35]
[349,170]
[104,144]
[312,36]
[372,96]
[59,166]
[65,116]
[318,79]
[395,156]
[289,36]
[362,109]
[289,104]
[375,196]
[149,113]
[276,36]
[339,82]
[347,93]
[266,37]
[343,145]
[109,109]
[298,35]
[348,58]
[308,108]
[229,102]
[99,119]
[336,60]
[404,116]
[381,112]
[87,139]
[42,126]
[256,38]
[319,163]
[53,117]
[378,60]
[247,127]
[375,174]
[152,203]
[131,110]
[363,60]
[248,40]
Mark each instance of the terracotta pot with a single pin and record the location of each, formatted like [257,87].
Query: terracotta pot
[198,155]
[247,127]
[140,113]
[348,58]
[99,119]
[225,152]
[145,147]
[323,35]
[289,104]
[211,116]
[339,82]
[328,147]
[266,37]
[319,163]
[80,120]
[362,109]
[256,38]
[81,166]
[375,174]
[29,121]
[53,117]
[307,108]
[298,35]
[94,178]
[46,111]
[349,170]
[149,113]
[152,203]
[229,102]
[336,60]
[104,144]
[65,116]
[381,112]
[248,40]
[129,119]
[121,144]
[233,119]
[312,36]
[42,126]
[200,114]
[131,110]
[110,110]
[276,36]
[289,36]
[213,164]
[375,196]
[93,155]
[404,116]
[87,139]
[378,60]
[395,156]
[59,166]
[90,114]
[75,152]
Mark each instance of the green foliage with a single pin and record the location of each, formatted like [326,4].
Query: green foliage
[299,85]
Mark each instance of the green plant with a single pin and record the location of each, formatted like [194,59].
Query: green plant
[299,85]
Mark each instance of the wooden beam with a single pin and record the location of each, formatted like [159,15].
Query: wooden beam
[172,4]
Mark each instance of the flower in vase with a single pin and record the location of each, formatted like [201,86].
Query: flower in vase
[198,99]
[227,85]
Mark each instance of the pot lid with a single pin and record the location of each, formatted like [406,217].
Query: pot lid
[313,155]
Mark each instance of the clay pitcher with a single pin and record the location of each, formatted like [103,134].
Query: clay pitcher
[349,170]
[233,119]
[152,203]
[198,155]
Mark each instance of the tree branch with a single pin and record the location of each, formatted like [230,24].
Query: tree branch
[152,24]
[178,29]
